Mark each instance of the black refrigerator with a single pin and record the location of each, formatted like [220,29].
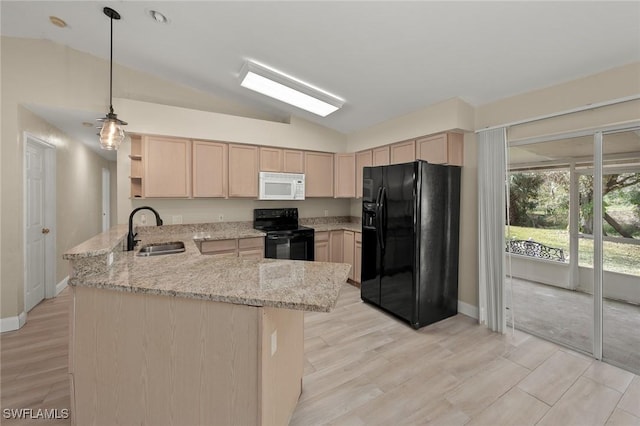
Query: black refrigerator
[410,230]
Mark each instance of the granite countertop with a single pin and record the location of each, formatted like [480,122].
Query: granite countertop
[347,226]
[300,285]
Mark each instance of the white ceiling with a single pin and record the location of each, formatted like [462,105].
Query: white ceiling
[384,58]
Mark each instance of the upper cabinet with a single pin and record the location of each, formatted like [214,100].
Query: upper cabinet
[445,148]
[380,155]
[243,171]
[403,152]
[281,160]
[345,176]
[167,167]
[209,169]
[270,159]
[318,168]
[293,161]
[363,159]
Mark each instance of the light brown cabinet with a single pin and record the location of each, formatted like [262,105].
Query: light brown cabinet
[270,159]
[403,152]
[293,161]
[251,248]
[318,168]
[243,171]
[445,148]
[363,159]
[336,246]
[210,169]
[244,247]
[348,245]
[167,167]
[281,160]
[380,156]
[357,258]
[321,246]
[137,170]
[345,175]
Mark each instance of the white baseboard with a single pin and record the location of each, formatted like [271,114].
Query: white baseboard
[13,323]
[62,285]
[468,310]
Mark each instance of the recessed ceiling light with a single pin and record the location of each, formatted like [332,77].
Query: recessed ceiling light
[282,87]
[57,22]
[158,17]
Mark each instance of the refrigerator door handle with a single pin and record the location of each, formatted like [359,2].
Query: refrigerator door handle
[383,217]
[378,223]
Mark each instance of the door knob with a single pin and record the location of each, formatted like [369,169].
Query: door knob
[45,230]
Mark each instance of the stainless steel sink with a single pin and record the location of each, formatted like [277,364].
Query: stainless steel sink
[156,249]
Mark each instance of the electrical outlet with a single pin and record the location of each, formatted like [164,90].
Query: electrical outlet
[274,342]
[176,219]
[143,219]
[326,213]
[220,217]
[110,259]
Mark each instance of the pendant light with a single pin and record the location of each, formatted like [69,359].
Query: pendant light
[111,133]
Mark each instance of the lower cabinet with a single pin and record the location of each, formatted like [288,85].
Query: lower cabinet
[340,246]
[251,248]
[336,246]
[321,246]
[348,244]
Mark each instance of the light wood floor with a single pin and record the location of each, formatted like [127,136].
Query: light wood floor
[363,367]
[566,316]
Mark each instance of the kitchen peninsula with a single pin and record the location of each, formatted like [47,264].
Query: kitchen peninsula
[187,338]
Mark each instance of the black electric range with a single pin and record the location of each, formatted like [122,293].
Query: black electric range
[285,238]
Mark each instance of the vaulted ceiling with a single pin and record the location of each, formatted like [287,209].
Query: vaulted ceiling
[384,59]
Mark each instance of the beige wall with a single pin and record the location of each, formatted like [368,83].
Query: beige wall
[615,83]
[453,114]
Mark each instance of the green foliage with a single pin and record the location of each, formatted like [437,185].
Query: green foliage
[523,197]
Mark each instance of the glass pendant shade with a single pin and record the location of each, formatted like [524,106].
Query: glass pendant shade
[111,133]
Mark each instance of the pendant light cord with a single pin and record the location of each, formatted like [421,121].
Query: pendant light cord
[111,69]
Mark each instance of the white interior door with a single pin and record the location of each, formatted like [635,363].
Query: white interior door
[106,199]
[36,228]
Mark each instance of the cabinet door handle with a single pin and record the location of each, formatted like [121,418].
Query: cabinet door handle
[45,230]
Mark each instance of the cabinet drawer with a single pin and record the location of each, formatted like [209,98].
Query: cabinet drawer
[246,243]
[252,254]
[219,245]
[322,236]
[220,255]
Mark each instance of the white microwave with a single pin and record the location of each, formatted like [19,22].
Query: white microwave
[281,186]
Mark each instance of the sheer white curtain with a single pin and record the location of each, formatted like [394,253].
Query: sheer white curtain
[491,222]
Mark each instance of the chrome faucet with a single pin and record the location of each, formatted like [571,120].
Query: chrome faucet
[131,241]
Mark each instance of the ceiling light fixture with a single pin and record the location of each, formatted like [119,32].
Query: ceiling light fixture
[57,21]
[282,87]
[111,133]
[158,17]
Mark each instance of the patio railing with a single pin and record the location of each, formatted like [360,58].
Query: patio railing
[535,249]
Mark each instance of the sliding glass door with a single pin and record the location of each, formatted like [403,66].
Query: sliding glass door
[573,239]
[620,195]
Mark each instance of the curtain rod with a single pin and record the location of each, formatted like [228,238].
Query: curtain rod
[566,112]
